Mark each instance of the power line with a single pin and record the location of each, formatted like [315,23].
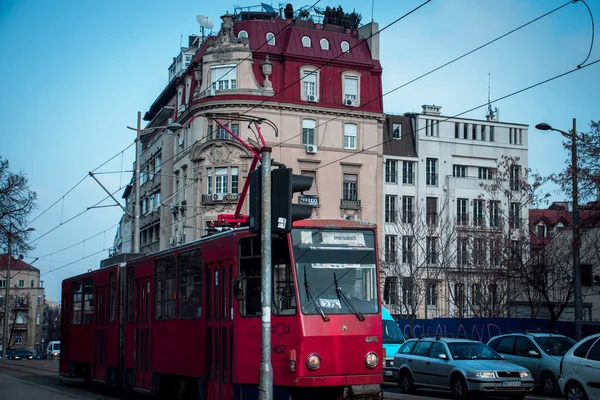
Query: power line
[432,71]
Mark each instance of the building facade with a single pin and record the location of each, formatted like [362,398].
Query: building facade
[317,87]
[26,304]
[447,214]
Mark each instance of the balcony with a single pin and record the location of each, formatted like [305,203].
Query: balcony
[219,198]
[19,327]
[310,199]
[350,204]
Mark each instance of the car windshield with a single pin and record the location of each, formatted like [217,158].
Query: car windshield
[326,256]
[555,345]
[56,346]
[391,332]
[472,351]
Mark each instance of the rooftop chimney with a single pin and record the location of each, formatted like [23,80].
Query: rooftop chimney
[431,110]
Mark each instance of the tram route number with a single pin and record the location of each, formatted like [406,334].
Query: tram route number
[278,349]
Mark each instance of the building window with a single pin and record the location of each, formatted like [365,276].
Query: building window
[431,210]
[270,39]
[221,180]
[408,172]
[391,174]
[431,250]
[224,77]
[306,41]
[462,252]
[21,283]
[390,208]
[390,248]
[541,230]
[492,294]
[462,216]
[492,134]
[242,34]
[431,294]
[350,136]
[234,180]
[459,171]
[407,249]
[476,295]
[2,283]
[407,209]
[390,290]
[324,44]
[494,213]
[309,85]
[345,46]
[350,187]
[431,177]
[479,251]
[165,289]
[459,298]
[495,252]
[19,339]
[432,127]
[515,177]
[37,319]
[407,293]
[515,214]
[486,173]
[308,131]
[478,213]
[350,90]
[396,131]
[32,283]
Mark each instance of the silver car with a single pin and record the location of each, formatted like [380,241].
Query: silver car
[580,370]
[466,367]
[539,352]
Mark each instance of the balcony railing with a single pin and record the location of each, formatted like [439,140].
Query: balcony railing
[310,199]
[19,327]
[350,204]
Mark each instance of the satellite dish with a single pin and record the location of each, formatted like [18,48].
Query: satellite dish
[204,22]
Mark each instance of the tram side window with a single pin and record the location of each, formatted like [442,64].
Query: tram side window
[284,296]
[130,286]
[247,287]
[190,284]
[112,284]
[77,291]
[165,288]
[88,301]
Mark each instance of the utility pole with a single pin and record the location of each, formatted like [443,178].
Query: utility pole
[576,259]
[7,298]
[265,390]
[136,206]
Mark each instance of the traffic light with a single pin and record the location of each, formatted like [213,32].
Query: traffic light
[283,186]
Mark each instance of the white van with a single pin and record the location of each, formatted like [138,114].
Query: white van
[53,349]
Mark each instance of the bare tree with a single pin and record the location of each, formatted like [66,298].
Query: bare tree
[17,201]
[18,315]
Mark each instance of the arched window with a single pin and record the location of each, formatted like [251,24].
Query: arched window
[20,319]
[305,41]
[270,38]
[345,47]
[242,34]
[324,44]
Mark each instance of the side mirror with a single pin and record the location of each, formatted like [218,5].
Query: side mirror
[443,356]
[533,353]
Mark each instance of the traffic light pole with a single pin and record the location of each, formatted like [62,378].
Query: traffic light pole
[265,389]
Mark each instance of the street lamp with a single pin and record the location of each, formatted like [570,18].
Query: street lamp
[9,236]
[575,215]
[173,126]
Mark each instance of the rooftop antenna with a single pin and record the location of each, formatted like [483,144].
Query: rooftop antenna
[204,23]
[490,115]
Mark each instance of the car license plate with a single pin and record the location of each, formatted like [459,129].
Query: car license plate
[512,383]
[387,373]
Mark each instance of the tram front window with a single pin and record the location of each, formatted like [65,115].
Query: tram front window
[336,271]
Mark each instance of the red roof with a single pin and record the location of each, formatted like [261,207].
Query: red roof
[15,264]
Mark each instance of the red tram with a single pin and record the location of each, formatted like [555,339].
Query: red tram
[186,322]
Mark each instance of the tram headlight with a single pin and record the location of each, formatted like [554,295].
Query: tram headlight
[371,360]
[313,361]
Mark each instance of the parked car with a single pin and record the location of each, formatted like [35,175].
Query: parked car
[463,366]
[53,349]
[19,354]
[539,352]
[580,370]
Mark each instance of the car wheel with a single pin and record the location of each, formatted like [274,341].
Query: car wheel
[549,384]
[406,382]
[459,388]
[574,391]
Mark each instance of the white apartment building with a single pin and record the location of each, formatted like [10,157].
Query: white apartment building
[440,227]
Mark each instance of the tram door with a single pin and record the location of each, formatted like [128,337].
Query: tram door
[142,339]
[219,335]
[101,317]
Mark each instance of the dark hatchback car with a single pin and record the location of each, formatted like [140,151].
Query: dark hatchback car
[19,355]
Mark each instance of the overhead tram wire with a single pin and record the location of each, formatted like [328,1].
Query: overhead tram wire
[578,68]
[433,70]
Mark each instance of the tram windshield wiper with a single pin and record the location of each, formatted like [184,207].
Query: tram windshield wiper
[342,297]
[315,299]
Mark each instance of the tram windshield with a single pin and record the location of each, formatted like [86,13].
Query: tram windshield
[336,271]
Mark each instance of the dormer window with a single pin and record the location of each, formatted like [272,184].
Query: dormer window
[306,41]
[350,82]
[224,77]
[345,46]
[324,44]
[310,84]
[270,39]
[540,230]
[242,34]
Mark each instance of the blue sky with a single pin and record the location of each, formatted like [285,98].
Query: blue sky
[75,73]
